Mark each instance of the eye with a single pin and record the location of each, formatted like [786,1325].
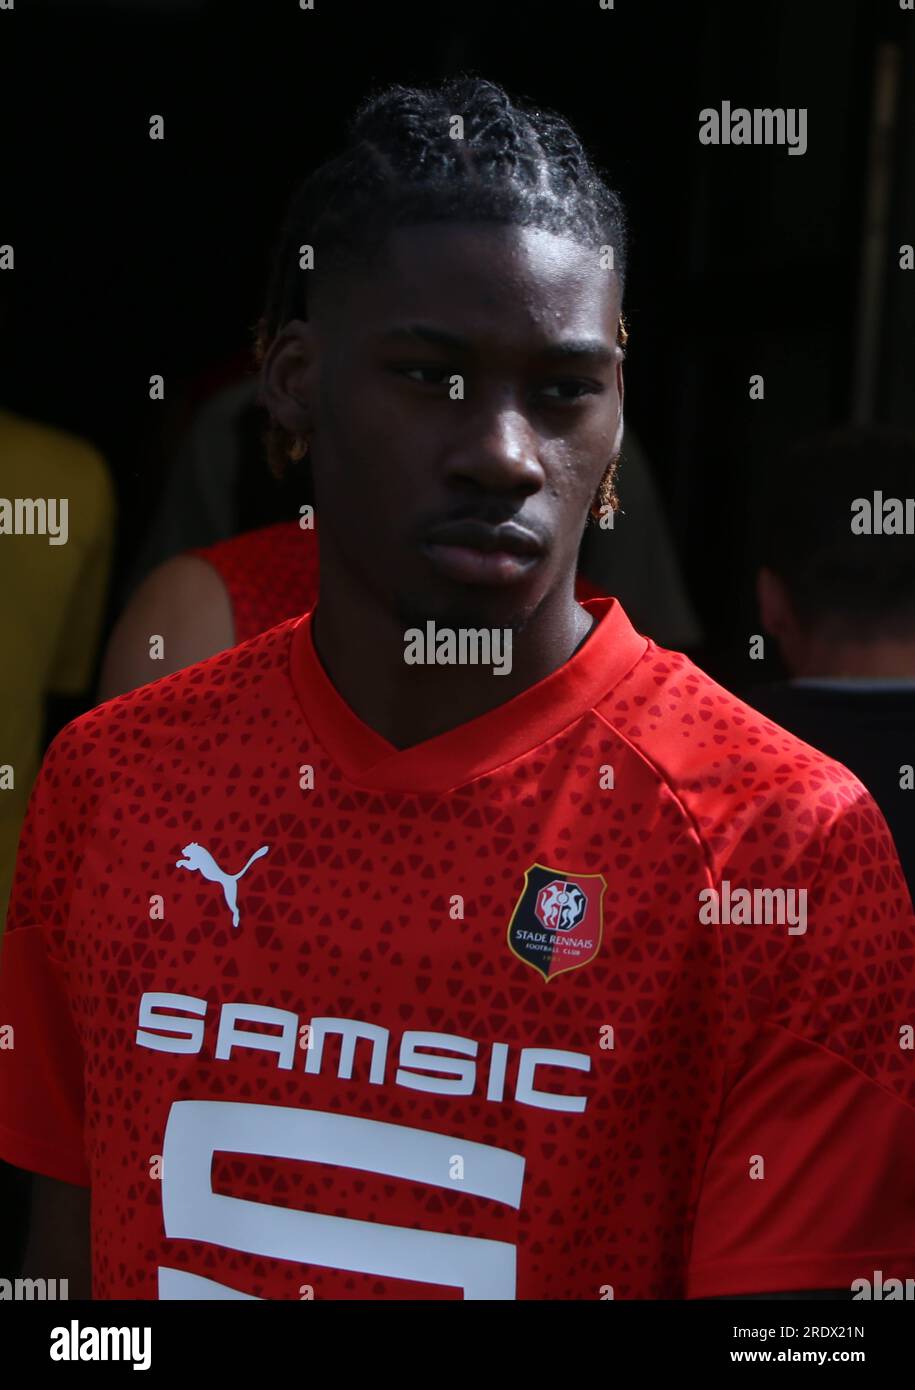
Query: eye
[571,389]
[425,374]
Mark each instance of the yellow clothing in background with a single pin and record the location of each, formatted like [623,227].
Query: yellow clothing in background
[52,602]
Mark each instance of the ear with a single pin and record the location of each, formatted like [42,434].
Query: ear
[288,378]
[618,439]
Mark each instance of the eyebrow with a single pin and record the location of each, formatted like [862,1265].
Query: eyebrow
[593,348]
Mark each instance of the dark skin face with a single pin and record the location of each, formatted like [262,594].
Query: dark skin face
[529,321]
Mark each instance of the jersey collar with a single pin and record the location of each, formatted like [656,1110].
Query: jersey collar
[458,756]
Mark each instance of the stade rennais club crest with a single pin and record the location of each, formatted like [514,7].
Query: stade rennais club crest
[558,920]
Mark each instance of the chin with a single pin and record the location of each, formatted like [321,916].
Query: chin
[475,607]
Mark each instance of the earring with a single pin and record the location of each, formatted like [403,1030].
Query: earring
[299,448]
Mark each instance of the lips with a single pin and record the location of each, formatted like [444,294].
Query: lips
[508,538]
[475,552]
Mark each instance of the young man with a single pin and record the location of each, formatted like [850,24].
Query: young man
[343,974]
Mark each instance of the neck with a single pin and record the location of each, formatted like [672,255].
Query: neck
[361,646]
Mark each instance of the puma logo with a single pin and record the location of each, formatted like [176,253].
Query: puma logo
[201,860]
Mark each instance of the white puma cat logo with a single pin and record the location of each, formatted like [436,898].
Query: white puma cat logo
[199,858]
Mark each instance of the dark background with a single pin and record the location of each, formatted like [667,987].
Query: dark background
[135,256]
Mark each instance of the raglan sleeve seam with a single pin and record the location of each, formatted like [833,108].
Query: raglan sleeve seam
[836,1057]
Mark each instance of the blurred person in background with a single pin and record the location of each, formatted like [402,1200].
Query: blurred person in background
[836,589]
[56,532]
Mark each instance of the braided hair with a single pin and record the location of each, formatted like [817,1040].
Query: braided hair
[401,165]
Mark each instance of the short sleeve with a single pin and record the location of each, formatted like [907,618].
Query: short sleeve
[41,1055]
[810,1182]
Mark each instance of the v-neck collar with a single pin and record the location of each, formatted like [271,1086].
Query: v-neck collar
[459,755]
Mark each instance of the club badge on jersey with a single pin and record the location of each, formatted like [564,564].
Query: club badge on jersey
[558,920]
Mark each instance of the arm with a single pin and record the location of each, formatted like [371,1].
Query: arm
[807,1181]
[58,1244]
[183,600]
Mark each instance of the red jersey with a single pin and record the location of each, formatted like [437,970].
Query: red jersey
[484,1017]
[272,574]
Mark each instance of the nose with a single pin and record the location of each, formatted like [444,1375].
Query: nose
[498,450]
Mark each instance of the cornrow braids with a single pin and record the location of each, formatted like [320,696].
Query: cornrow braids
[403,163]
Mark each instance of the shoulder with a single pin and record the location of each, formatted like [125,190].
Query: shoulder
[249,548]
[98,755]
[26,441]
[269,574]
[184,586]
[39,457]
[740,778]
[184,603]
[144,721]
